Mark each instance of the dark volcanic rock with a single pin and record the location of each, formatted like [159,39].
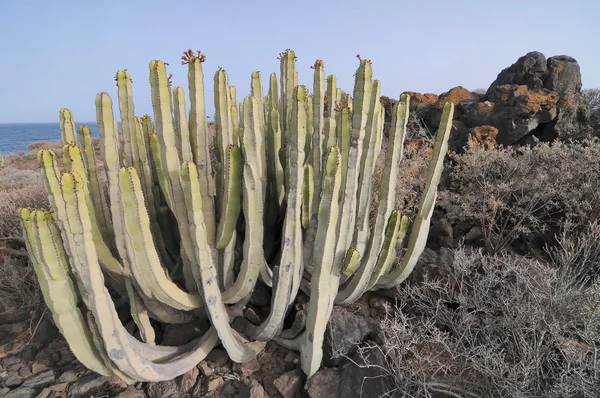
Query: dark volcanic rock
[534,99]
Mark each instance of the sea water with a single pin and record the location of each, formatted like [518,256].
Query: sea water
[14,137]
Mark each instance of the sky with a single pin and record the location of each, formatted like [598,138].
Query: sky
[61,53]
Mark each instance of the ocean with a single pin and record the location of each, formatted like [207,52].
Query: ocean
[14,137]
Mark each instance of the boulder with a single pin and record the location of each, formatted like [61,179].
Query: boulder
[534,99]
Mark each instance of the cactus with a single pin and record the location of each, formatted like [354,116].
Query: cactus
[287,201]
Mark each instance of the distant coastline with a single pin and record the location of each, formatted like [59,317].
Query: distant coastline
[14,137]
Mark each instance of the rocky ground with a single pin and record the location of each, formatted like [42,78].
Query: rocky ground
[42,365]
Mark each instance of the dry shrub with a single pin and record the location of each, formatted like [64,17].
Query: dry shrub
[495,326]
[19,289]
[525,193]
[410,180]
[12,199]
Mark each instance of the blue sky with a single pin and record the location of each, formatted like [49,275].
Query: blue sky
[62,53]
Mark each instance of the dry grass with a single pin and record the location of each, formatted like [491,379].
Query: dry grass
[19,289]
[410,181]
[525,193]
[495,326]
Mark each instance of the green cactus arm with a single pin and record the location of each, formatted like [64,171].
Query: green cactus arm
[117,341]
[275,168]
[139,313]
[356,286]
[253,257]
[206,275]
[330,133]
[346,99]
[289,271]
[95,186]
[235,116]
[318,123]
[109,148]
[289,81]
[311,352]
[51,267]
[145,263]
[144,168]
[199,139]
[308,192]
[331,95]
[343,136]
[114,270]
[367,167]
[223,134]
[160,88]
[127,111]
[309,130]
[97,340]
[362,93]
[257,92]
[231,200]
[226,266]
[160,170]
[420,228]
[388,252]
[351,262]
[67,126]
[182,128]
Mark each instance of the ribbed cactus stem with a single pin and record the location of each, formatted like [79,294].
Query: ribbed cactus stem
[357,285]
[127,111]
[367,166]
[420,228]
[291,265]
[67,126]
[237,347]
[253,261]
[332,99]
[96,189]
[182,128]
[311,342]
[289,80]
[318,123]
[51,266]
[200,144]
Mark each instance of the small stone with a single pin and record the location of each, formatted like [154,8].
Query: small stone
[206,370]
[215,384]
[68,377]
[229,389]
[247,368]
[162,389]
[255,390]
[4,391]
[187,381]
[9,360]
[13,380]
[23,392]
[94,384]
[218,357]
[292,357]
[55,391]
[289,383]
[40,380]
[132,392]
[324,384]
[24,372]
[269,386]
[15,367]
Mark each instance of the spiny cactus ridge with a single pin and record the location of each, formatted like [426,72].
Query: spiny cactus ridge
[182,232]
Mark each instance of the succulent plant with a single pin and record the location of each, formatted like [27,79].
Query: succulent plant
[182,238]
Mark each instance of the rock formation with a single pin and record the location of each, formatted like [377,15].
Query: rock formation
[534,99]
